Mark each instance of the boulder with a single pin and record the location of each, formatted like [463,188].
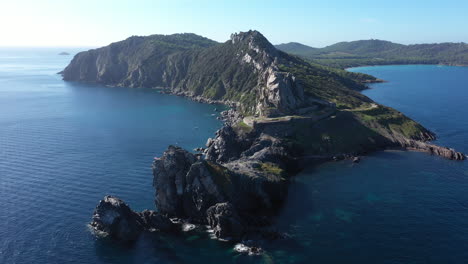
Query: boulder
[115,218]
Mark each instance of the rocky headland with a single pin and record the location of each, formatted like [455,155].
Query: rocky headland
[285,113]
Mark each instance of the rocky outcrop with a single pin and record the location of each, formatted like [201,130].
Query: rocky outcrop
[114,218]
[189,189]
[152,220]
[444,152]
[226,146]
[169,180]
[185,187]
[282,95]
[225,221]
[279,92]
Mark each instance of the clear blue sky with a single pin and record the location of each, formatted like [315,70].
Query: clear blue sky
[315,23]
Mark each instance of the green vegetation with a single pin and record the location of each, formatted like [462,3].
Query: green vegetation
[272,169]
[356,131]
[333,85]
[391,120]
[243,128]
[379,52]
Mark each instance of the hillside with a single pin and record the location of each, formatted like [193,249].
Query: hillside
[247,70]
[271,91]
[380,52]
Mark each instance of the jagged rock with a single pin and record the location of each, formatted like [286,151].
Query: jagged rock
[170,179]
[434,149]
[200,192]
[225,221]
[155,220]
[185,187]
[113,217]
[281,93]
[226,146]
[266,148]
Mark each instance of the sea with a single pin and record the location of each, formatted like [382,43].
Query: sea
[65,145]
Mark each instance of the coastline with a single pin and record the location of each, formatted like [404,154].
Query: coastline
[237,182]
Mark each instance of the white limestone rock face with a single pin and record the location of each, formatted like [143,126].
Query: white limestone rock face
[278,92]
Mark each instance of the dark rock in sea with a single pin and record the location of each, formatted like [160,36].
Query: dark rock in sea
[246,249]
[113,217]
[157,221]
[64,53]
[225,221]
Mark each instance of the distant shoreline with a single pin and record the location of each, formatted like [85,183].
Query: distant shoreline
[418,64]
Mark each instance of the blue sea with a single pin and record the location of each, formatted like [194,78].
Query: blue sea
[64,146]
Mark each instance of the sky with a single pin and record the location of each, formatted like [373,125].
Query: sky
[314,23]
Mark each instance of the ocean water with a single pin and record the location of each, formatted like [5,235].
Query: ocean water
[63,146]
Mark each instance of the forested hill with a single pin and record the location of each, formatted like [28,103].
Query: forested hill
[379,52]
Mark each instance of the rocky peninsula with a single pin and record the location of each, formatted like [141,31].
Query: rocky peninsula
[285,112]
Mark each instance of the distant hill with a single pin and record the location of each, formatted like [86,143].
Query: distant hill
[379,52]
[295,48]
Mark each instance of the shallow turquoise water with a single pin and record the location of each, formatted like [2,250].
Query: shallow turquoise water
[63,146]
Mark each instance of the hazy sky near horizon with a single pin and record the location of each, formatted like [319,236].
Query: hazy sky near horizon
[315,23]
